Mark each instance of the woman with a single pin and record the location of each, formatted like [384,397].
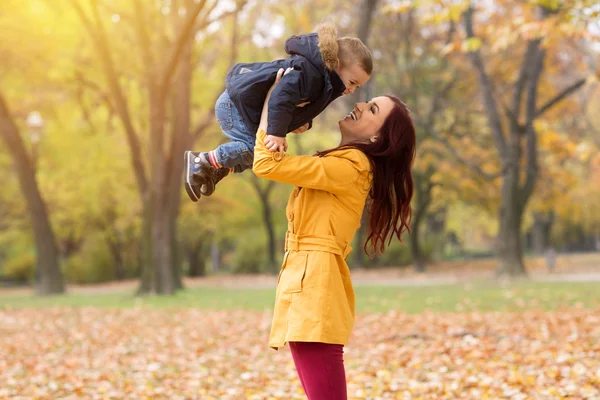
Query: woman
[314,306]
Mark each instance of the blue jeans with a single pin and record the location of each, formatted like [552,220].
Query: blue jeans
[239,153]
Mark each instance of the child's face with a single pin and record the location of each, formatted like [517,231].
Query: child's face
[353,77]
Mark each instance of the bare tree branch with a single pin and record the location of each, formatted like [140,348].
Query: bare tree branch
[408,49]
[596,132]
[451,32]
[145,46]
[208,118]
[87,22]
[559,97]
[262,190]
[184,34]
[86,83]
[439,96]
[367,9]
[206,22]
[491,105]
[205,17]
[85,110]
[536,66]
[467,163]
[99,36]
[532,47]
[514,120]
[109,9]
[200,129]
[234,39]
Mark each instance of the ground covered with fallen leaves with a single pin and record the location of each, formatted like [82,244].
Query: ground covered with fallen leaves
[144,353]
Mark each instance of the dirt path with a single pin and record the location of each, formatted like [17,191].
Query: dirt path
[570,268]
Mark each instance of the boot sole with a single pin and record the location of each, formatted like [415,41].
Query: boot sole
[186,177]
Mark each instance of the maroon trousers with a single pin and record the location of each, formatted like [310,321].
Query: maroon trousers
[320,368]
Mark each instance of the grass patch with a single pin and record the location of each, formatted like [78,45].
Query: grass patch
[464,297]
[478,297]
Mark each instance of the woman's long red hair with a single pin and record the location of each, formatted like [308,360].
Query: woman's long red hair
[391,159]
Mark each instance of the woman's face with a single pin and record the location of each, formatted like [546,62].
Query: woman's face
[364,122]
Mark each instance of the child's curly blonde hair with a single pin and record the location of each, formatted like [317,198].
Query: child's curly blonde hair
[341,52]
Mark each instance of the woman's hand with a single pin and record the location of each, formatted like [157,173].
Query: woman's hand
[273,143]
[280,74]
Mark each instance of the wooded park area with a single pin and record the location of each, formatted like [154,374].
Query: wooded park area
[99,99]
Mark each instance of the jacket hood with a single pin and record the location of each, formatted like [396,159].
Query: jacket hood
[319,48]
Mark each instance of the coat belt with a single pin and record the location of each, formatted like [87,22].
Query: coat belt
[326,243]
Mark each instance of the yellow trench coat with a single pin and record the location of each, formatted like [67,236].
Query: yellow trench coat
[315,298]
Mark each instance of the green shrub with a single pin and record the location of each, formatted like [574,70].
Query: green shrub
[20,268]
[92,264]
[396,255]
[250,256]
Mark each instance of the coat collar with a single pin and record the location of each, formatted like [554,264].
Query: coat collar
[336,83]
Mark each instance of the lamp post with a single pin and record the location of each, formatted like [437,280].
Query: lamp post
[36,124]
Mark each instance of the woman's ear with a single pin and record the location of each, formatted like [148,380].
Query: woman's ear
[373,139]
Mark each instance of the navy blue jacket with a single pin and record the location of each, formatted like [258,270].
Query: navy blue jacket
[248,84]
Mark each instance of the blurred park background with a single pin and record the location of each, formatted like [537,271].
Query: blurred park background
[99,99]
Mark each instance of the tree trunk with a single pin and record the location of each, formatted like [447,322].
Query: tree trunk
[160,231]
[418,258]
[50,276]
[197,265]
[215,256]
[116,251]
[515,196]
[161,252]
[163,165]
[365,94]
[147,272]
[177,262]
[159,213]
[422,200]
[436,224]
[181,139]
[510,249]
[367,9]
[270,227]
[359,259]
[540,231]
[264,196]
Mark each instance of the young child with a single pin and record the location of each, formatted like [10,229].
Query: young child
[324,68]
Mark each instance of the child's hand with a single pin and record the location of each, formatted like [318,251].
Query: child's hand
[302,129]
[276,143]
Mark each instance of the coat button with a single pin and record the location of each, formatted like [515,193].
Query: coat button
[291,216]
[277,156]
